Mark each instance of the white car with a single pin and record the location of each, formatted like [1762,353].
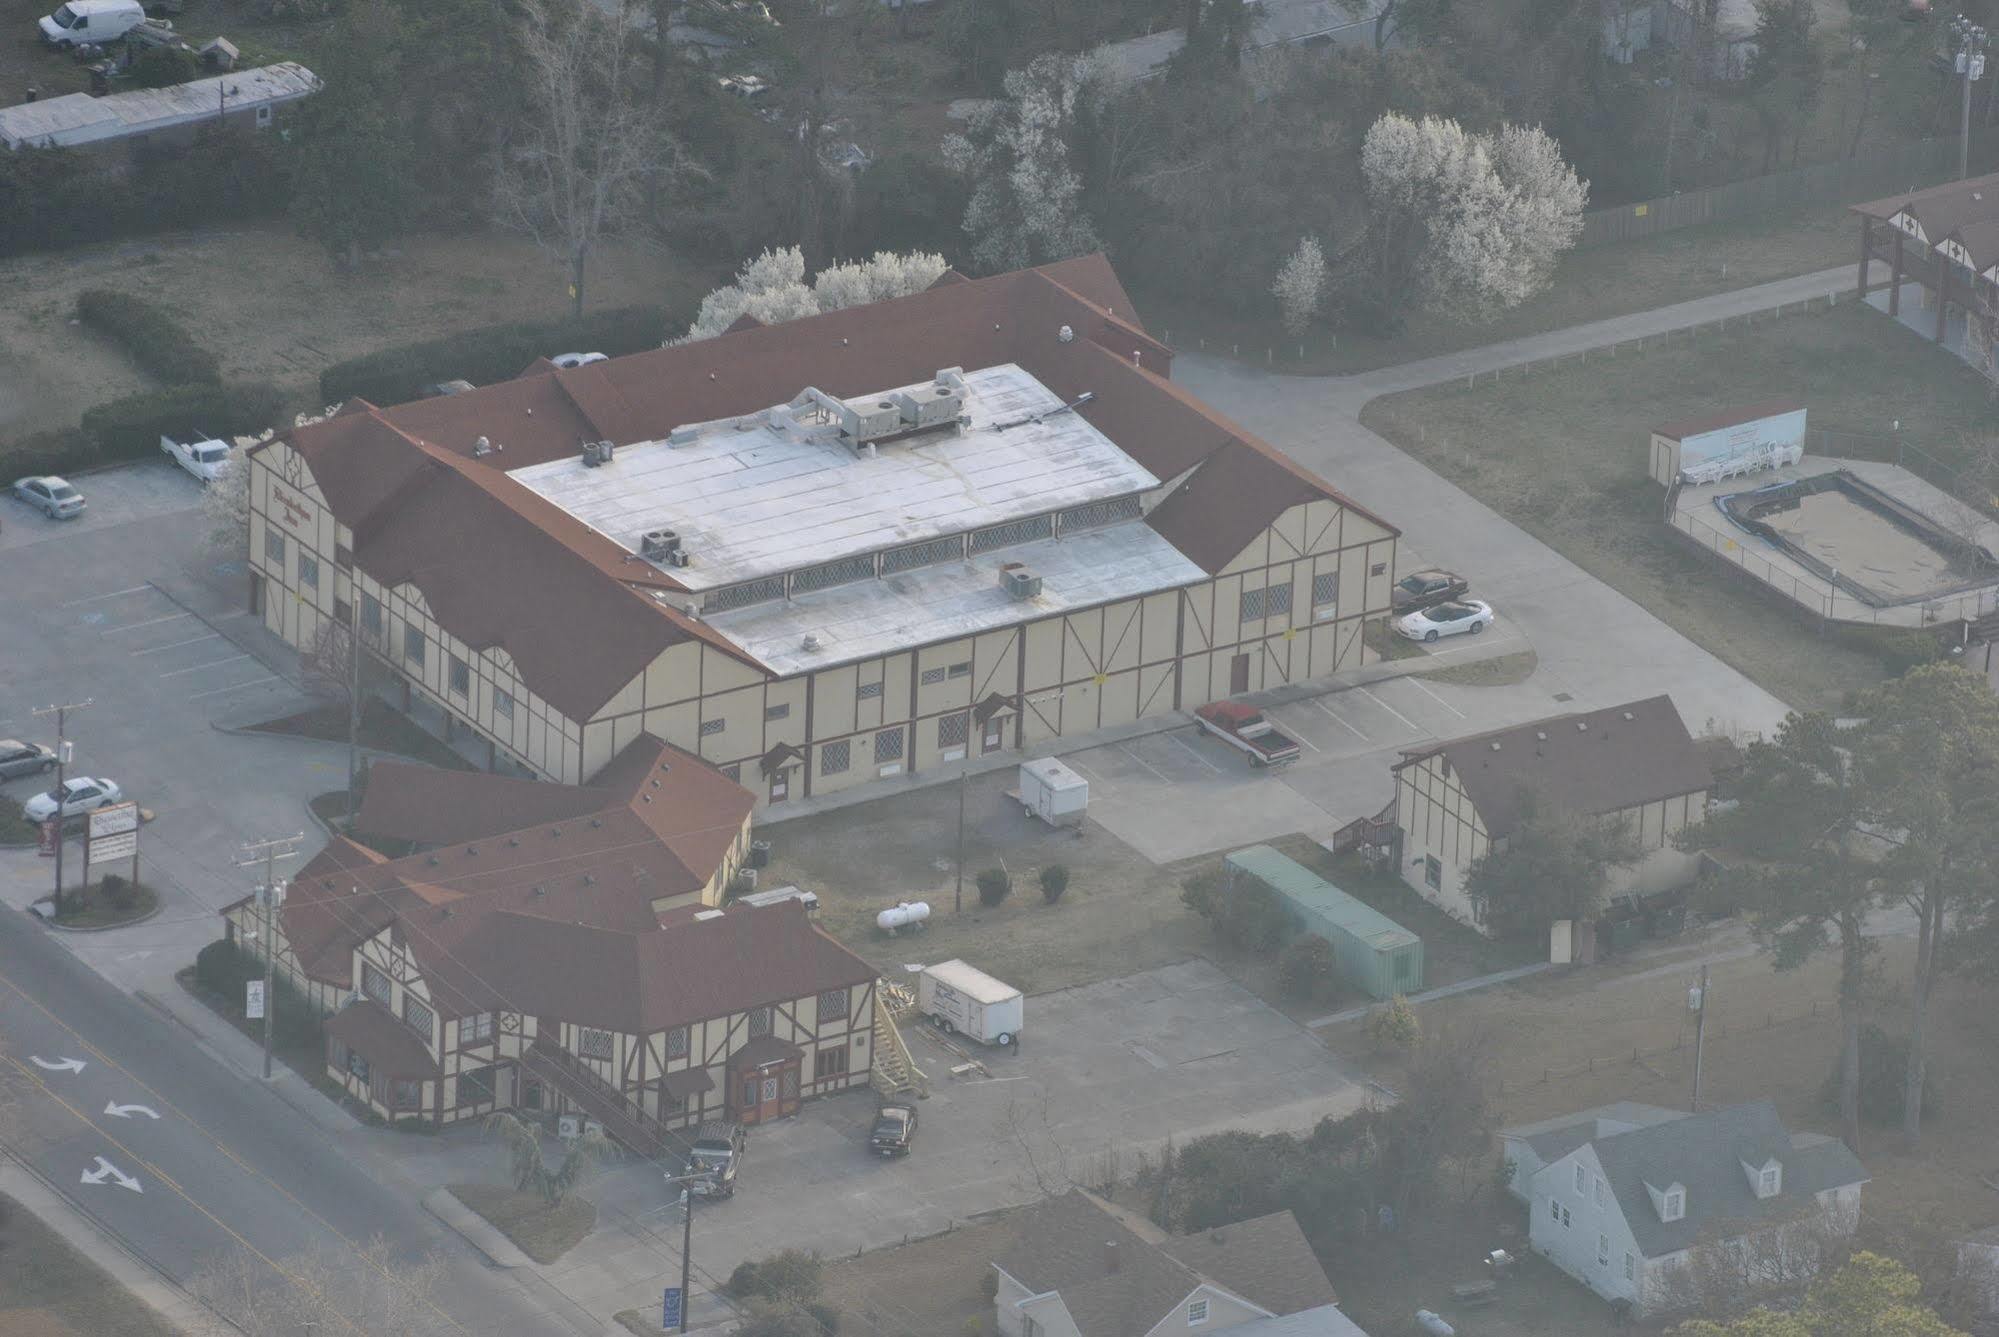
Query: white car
[1446,619]
[569,360]
[80,795]
[204,457]
[51,496]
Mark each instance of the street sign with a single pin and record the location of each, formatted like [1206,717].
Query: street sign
[47,837]
[114,834]
[253,999]
[670,1318]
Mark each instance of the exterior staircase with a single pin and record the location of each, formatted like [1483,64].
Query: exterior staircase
[894,1072]
[622,1120]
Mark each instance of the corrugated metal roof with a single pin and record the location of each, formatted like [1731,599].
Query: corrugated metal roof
[78,118]
[1295,882]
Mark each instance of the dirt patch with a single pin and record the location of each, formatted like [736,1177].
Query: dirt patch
[1504,671]
[1559,1042]
[930,1288]
[1121,913]
[226,282]
[48,1289]
[542,1232]
[1562,453]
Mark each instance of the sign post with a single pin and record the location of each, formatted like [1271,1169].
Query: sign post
[113,834]
[670,1317]
[253,1000]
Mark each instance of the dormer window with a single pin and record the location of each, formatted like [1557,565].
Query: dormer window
[1674,1205]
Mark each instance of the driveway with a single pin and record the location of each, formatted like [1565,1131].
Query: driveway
[1104,1074]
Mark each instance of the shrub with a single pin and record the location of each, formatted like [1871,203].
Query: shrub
[1393,1025]
[494,353]
[791,1275]
[1900,651]
[65,450]
[120,891]
[1248,917]
[163,67]
[1054,881]
[1306,969]
[995,885]
[1202,892]
[149,335]
[131,428]
[218,967]
[1884,1060]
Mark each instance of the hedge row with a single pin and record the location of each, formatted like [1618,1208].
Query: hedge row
[131,428]
[495,353]
[150,335]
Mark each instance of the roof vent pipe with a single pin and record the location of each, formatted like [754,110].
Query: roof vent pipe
[1065,335]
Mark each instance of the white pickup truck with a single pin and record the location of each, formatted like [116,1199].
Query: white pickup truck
[204,457]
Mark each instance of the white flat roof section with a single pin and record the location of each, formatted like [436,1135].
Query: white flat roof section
[954,599]
[750,499]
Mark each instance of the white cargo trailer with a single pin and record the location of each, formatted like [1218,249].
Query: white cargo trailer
[1054,793]
[959,998]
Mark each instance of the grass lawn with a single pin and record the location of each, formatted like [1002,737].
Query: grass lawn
[15,828]
[1562,453]
[542,1232]
[382,728]
[1383,640]
[1504,671]
[48,1289]
[1589,285]
[89,907]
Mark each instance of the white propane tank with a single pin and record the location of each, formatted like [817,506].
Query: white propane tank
[1433,1323]
[903,915]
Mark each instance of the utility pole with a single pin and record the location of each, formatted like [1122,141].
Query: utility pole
[964,772]
[1697,1001]
[353,709]
[62,763]
[686,1183]
[269,896]
[1969,38]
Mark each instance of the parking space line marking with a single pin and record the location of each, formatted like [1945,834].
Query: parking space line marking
[1417,683]
[199,667]
[1299,734]
[151,621]
[1406,722]
[218,691]
[76,603]
[1342,720]
[1192,752]
[175,645]
[1143,762]
[1084,771]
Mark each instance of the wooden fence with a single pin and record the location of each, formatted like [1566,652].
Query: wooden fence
[1870,175]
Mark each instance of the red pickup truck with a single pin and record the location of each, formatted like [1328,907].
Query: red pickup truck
[1245,728]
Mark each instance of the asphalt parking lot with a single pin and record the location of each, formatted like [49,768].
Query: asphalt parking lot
[124,608]
[1107,1069]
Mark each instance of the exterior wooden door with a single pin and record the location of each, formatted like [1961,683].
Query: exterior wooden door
[1238,675]
[768,1093]
[780,785]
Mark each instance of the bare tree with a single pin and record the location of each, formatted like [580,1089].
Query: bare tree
[595,136]
[362,1289]
[1737,1263]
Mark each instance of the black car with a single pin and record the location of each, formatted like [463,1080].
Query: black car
[894,1130]
[1425,588]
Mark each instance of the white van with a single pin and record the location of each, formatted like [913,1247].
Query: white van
[97,21]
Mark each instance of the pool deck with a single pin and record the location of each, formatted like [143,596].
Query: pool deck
[1891,558]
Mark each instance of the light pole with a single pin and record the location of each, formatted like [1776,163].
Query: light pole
[62,764]
[1969,38]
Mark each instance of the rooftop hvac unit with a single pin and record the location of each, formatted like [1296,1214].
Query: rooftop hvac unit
[596,453]
[659,545]
[928,406]
[679,557]
[1019,581]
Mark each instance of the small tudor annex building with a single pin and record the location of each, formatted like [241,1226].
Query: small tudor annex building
[1619,1196]
[485,943]
[863,544]
[1634,762]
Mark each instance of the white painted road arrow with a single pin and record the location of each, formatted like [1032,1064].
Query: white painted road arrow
[60,1065]
[127,1111]
[106,1168]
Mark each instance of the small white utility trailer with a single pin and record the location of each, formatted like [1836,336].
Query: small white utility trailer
[1051,791]
[963,1000]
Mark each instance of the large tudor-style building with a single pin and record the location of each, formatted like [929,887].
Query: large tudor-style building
[485,943]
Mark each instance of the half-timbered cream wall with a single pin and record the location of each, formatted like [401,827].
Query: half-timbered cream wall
[1438,821]
[637,1064]
[1069,674]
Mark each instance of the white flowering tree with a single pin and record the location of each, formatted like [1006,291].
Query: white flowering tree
[772,288]
[225,503]
[1301,285]
[1026,206]
[1468,223]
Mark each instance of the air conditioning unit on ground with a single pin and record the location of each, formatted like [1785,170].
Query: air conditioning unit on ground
[569,1127]
[1019,581]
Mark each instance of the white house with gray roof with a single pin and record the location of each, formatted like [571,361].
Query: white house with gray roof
[1619,1195]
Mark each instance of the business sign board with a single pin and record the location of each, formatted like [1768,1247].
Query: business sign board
[114,834]
[670,1315]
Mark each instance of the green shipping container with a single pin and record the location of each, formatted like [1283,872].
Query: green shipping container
[1376,955]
